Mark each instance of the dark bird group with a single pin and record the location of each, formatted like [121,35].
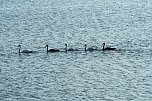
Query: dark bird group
[69,49]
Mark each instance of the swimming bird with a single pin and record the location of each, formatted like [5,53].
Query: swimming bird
[89,49]
[107,48]
[70,49]
[51,50]
[24,51]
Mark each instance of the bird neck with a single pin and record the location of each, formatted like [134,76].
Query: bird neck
[19,50]
[103,48]
[85,48]
[47,48]
[66,48]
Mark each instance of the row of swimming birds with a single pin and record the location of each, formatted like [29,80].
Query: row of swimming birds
[70,49]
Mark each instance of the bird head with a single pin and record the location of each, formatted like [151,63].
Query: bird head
[19,46]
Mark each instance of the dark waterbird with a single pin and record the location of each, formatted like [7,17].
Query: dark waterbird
[89,49]
[51,50]
[24,51]
[107,48]
[70,49]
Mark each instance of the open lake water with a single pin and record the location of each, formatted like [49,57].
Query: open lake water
[121,75]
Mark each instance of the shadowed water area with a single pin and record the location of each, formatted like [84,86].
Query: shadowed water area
[121,75]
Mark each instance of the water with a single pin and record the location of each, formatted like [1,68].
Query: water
[121,75]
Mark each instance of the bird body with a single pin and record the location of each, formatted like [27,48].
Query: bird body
[70,49]
[24,51]
[107,48]
[89,49]
[51,50]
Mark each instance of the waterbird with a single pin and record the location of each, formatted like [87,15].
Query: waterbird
[51,50]
[89,49]
[24,51]
[70,49]
[107,48]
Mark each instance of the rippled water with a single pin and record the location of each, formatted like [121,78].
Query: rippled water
[121,75]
